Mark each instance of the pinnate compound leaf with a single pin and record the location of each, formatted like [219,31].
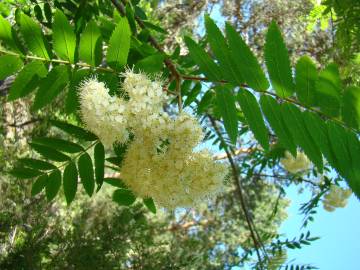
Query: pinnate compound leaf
[225,101]
[9,64]
[39,184]
[53,185]
[27,80]
[64,39]
[246,62]
[273,114]
[90,49]
[305,79]
[277,62]
[33,36]
[70,182]
[51,86]
[251,110]
[75,131]
[123,197]
[203,60]
[119,45]
[86,173]
[99,157]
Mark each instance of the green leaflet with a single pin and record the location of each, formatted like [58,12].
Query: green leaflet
[246,62]
[37,164]
[203,60]
[70,182]
[86,173]
[53,185]
[33,36]
[149,202]
[75,131]
[72,103]
[39,184]
[225,101]
[296,125]
[90,48]
[6,34]
[24,173]
[305,78]
[221,50]
[51,86]
[64,40]
[350,109]
[116,182]
[277,62]
[99,157]
[318,131]
[328,90]
[9,64]
[59,144]
[353,146]
[251,110]
[123,197]
[272,112]
[27,80]
[49,153]
[119,45]
[151,64]
[191,97]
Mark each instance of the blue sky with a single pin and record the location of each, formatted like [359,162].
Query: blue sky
[339,246]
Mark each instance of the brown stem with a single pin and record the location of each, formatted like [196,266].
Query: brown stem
[239,190]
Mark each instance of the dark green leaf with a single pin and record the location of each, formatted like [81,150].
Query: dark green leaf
[99,157]
[72,102]
[37,164]
[53,185]
[221,50]
[59,144]
[51,86]
[191,97]
[305,78]
[49,153]
[251,110]
[119,45]
[155,27]
[24,173]
[225,101]
[296,125]
[90,49]
[151,64]
[277,62]
[27,80]
[116,182]
[149,202]
[64,40]
[271,110]
[33,36]
[39,184]
[328,88]
[123,197]
[75,131]
[86,173]
[246,62]
[70,182]
[9,64]
[203,60]
[6,34]
[353,178]
[48,12]
[351,107]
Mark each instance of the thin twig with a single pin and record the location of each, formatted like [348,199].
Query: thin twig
[239,190]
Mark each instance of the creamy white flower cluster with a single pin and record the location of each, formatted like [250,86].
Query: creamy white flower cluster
[337,197]
[295,165]
[160,162]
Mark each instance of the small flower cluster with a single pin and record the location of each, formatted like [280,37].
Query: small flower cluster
[336,198]
[160,162]
[295,165]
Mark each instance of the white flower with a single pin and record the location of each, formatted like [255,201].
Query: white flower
[337,197]
[295,165]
